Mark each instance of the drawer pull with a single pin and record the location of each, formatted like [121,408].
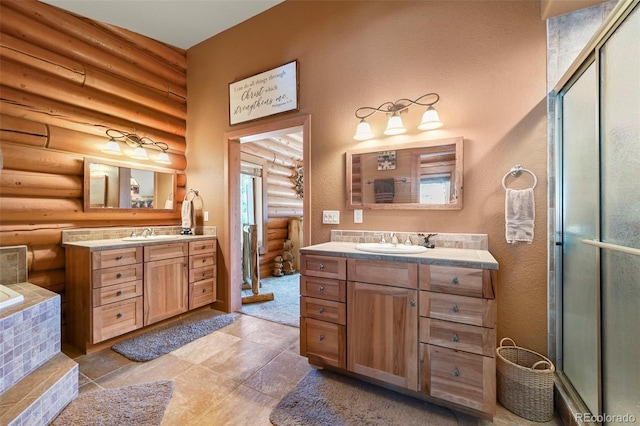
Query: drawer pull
[204,260]
[321,310]
[320,289]
[204,274]
[119,275]
[119,293]
[455,309]
[412,303]
[203,247]
[455,338]
[321,266]
[455,280]
[119,257]
[456,373]
[204,290]
[321,337]
[119,315]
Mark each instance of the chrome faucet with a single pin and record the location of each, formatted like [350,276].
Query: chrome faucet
[146,232]
[408,242]
[394,239]
[382,240]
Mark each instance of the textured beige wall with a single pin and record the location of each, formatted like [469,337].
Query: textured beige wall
[485,59]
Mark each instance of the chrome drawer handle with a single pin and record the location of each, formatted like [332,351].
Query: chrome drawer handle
[455,280]
[455,338]
[320,289]
[119,275]
[321,338]
[119,293]
[456,373]
[455,308]
[321,310]
[321,267]
[119,257]
[119,315]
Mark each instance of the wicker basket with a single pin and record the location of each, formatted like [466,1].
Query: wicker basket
[525,382]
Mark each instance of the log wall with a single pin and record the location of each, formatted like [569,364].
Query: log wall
[65,80]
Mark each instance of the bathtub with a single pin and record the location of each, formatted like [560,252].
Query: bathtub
[9,297]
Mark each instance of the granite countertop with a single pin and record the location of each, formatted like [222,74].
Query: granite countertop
[438,256]
[116,243]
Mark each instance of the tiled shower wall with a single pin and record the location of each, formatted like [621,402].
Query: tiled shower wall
[567,36]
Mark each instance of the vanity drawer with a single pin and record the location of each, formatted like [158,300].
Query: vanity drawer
[117,318]
[204,246]
[448,279]
[458,377]
[464,337]
[449,307]
[117,275]
[204,273]
[164,251]
[397,274]
[323,266]
[202,293]
[116,257]
[116,293]
[323,288]
[323,342]
[323,310]
[201,260]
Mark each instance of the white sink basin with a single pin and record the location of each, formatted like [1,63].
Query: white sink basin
[151,238]
[390,248]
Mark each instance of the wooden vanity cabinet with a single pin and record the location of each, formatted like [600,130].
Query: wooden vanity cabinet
[457,336]
[166,285]
[202,273]
[323,310]
[382,321]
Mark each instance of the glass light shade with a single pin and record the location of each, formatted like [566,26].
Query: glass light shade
[394,125]
[430,120]
[363,132]
[112,147]
[140,154]
[163,158]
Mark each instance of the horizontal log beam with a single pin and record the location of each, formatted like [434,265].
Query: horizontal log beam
[284,212]
[265,154]
[46,257]
[277,223]
[15,129]
[276,180]
[280,191]
[34,184]
[284,202]
[32,159]
[53,280]
[275,170]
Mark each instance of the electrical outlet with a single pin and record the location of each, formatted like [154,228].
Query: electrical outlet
[330,217]
[206,216]
[357,216]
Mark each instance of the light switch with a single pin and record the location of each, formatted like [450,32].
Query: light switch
[330,217]
[206,216]
[357,216]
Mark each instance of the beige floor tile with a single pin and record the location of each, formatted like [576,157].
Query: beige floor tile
[277,336]
[280,375]
[204,348]
[164,368]
[101,363]
[243,325]
[196,391]
[243,407]
[88,387]
[241,360]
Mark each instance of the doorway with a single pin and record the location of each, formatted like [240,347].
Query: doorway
[235,153]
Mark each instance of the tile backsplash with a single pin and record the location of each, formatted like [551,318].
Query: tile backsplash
[13,264]
[463,241]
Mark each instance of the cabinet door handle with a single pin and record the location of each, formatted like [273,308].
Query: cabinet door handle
[320,289]
[321,266]
[321,337]
[119,257]
[119,275]
[455,280]
[455,372]
[455,338]
[119,293]
[321,310]
[455,308]
[119,315]
[412,303]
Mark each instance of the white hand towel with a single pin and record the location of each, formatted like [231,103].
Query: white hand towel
[519,212]
[187,219]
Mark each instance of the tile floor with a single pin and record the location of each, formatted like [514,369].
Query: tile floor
[233,376]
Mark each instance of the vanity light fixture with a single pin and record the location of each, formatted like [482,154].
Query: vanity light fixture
[137,142]
[430,119]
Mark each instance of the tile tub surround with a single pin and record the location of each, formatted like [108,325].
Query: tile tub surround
[31,333]
[13,264]
[93,234]
[460,241]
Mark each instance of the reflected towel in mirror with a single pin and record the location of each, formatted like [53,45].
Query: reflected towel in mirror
[384,190]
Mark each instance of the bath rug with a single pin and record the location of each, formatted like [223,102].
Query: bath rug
[163,340]
[142,404]
[285,306]
[326,398]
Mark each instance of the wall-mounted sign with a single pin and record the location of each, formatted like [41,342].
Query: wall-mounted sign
[387,160]
[271,92]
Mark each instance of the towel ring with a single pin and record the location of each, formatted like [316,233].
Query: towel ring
[516,171]
[191,191]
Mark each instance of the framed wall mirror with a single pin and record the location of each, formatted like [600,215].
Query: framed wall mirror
[118,186]
[417,175]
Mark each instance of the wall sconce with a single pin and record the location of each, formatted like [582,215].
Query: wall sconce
[430,119]
[137,142]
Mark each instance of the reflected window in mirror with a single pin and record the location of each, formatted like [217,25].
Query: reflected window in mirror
[424,175]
